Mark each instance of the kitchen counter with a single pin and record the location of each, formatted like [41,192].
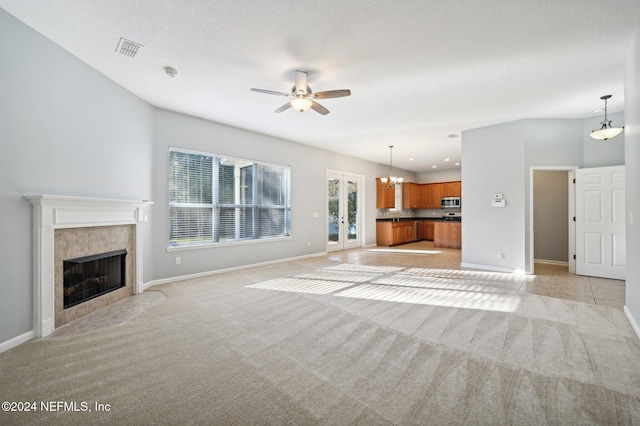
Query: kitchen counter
[444,232]
[413,219]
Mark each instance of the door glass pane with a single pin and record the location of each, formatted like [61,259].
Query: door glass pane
[352,210]
[333,198]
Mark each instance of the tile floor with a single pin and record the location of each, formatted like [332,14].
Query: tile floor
[548,280]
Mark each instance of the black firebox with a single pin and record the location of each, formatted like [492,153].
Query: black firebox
[92,276]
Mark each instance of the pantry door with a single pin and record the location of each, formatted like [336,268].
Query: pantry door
[344,201]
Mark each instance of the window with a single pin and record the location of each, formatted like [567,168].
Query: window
[215,199]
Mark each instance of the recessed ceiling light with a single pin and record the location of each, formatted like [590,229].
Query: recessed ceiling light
[434,166]
[452,135]
[170,71]
[411,159]
[457,164]
[446,159]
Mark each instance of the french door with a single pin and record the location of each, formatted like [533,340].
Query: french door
[600,222]
[344,200]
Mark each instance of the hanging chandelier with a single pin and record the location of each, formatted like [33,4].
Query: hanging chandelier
[606,131]
[391,180]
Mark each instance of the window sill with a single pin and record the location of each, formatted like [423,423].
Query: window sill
[225,244]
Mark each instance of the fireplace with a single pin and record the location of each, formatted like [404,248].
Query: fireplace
[91,276]
[72,229]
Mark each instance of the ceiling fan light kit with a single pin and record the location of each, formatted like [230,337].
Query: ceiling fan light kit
[302,96]
[301,104]
[606,131]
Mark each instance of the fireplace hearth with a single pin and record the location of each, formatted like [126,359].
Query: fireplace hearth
[91,276]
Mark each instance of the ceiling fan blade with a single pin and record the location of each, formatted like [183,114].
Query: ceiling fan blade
[319,108]
[284,107]
[332,94]
[301,81]
[270,92]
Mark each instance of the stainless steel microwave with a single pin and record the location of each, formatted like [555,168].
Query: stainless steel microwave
[450,203]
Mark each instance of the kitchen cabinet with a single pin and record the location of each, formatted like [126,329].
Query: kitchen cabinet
[385,196]
[430,194]
[424,201]
[436,195]
[427,230]
[410,195]
[392,233]
[451,189]
[447,234]
[417,195]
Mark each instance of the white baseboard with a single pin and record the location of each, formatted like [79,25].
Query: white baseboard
[223,271]
[492,268]
[17,341]
[551,262]
[632,321]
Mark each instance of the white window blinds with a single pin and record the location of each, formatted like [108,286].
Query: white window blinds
[214,199]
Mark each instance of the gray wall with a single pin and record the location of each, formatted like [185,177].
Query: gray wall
[632,157]
[308,189]
[550,215]
[493,162]
[446,175]
[65,130]
[502,156]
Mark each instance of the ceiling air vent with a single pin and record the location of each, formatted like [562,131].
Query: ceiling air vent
[452,135]
[127,47]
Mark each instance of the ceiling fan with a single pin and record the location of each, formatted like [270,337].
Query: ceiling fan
[302,96]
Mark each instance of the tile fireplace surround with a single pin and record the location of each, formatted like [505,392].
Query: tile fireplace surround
[98,217]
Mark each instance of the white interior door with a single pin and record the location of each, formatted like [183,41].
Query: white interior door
[600,222]
[344,228]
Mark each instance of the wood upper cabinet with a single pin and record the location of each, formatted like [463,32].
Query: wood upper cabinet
[424,201]
[410,195]
[436,195]
[451,189]
[430,194]
[385,196]
[416,196]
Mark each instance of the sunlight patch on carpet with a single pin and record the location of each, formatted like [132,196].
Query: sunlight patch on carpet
[435,297]
[438,287]
[471,275]
[436,283]
[299,285]
[334,275]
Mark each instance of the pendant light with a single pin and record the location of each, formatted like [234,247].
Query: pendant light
[391,180]
[606,131]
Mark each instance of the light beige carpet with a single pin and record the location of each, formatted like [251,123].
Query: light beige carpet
[317,342]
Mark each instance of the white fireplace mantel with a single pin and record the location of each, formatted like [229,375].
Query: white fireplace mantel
[52,212]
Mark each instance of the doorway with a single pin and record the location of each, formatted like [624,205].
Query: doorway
[551,213]
[344,207]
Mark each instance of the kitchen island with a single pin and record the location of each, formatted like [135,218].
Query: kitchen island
[447,234]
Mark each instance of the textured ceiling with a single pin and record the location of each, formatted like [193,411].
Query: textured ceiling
[419,70]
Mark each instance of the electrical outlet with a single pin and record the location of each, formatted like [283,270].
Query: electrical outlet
[178,260]
[500,254]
